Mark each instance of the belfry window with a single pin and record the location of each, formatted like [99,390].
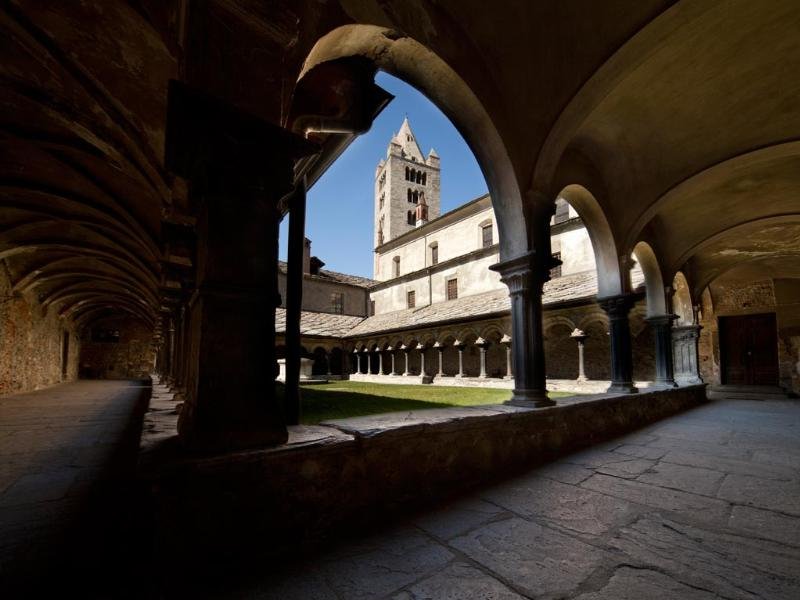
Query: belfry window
[410,218]
[434,254]
[410,195]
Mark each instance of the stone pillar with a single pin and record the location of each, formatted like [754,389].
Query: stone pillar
[294,301]
[369,361]
[380,362]
[665,371]
[459,345]
[239,169]
[617,308]
[358,361]
[440,352]
[328,355]
[525,281]
[405,349]
[424,377]
[170,363]
[506,341]
[391,354]
[482,344]
[580,337]
[685,339]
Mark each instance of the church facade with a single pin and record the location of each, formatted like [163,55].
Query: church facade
[435,312]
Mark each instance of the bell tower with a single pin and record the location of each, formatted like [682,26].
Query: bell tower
[402,179]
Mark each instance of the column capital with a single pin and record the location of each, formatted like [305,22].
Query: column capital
[617,306]
[657,320]
[524,272]
[578,335]
[481,343]
[506,340]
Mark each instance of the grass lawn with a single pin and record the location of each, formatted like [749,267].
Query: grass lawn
[342,399]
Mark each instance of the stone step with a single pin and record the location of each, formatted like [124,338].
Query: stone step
[746,392]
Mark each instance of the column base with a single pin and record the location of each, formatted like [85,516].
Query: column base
[530,399]
[426,379]
[663,385]
[459,376]
[622,388]
[508,377]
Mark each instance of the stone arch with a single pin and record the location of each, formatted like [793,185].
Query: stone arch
[560,350]
[495,351]
[414,63]
[320,366]
[552,321]
[653,280]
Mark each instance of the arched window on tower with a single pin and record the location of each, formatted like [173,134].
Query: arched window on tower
[419,176]
[410,197]
[424,179]
[415,197]
[407,174]
[410,217]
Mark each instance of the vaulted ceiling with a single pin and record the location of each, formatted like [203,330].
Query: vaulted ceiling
[682,118]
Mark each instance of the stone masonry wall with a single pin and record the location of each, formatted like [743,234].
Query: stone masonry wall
[130,358]
[32,340]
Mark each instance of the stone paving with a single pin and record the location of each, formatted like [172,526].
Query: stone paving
[64,453]
[701,506]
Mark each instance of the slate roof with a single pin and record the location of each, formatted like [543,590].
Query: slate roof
[335,276]
[316,323]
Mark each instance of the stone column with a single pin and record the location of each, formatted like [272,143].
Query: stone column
[506,341]
[358,361]
[617,308]
[171,351]
[482,344]
[380,362]
[580,337]
[240,168]
[405,349]
[424,377]
[391,354]
[685,339]
[294,301]
[440,351]
[665,371]
[459,345]
[369,361]
[525,281]
[328,355]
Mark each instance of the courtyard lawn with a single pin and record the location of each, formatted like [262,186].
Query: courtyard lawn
[342,399]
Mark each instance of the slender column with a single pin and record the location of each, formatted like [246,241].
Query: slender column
[665,366]
[617,308]
[482,344]
[358,361]
[580,337]
[328,356]
[459,345]
[440,351]
[391,354]
[170,362]
[380,362]
[294,301]
[405,349]
[369,362]
[525,281]
[506,341]
[421,348]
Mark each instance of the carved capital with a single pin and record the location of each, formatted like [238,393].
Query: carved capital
[617,307]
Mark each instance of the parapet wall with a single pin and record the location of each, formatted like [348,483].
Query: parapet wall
[349,473]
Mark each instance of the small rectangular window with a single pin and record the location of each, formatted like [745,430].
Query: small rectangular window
[452,289]
[434,255]
[397,266]
[337,303]
[411,299]
[556,271]
[486,234]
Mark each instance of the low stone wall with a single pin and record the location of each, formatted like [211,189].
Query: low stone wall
[348,473]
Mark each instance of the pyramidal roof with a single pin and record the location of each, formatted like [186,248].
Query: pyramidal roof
[406,139]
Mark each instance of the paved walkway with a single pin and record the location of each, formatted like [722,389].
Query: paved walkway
[66,455]
[701,506]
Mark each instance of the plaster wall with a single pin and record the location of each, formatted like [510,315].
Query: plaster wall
[317,295]
[31,339]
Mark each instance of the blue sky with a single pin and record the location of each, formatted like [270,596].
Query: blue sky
[339,217]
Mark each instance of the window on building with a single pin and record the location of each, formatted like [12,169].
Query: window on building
[411,299]
[382,180]
[434,254]
[415,197]
[382,198]
[410,197]
[410,217]
[452,289]
[486,235]
[408,176]
[397,266]
[556,271]
[371,307]
[337,303]
[424,179]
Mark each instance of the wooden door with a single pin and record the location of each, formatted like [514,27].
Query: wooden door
[749,349]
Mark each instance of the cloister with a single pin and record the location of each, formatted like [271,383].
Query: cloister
[149,152]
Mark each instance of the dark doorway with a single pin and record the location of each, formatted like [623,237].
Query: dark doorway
[749,349]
